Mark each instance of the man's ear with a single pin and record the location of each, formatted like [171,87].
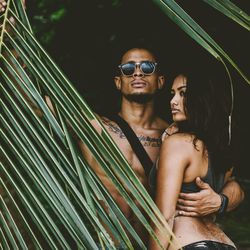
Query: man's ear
[117,80]
[161,82]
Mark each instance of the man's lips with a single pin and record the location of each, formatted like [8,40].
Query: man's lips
[138,84]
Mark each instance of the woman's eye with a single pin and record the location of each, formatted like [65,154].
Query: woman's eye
[183,93]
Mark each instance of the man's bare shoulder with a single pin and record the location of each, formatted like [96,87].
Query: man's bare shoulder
[112,127]
[106,121]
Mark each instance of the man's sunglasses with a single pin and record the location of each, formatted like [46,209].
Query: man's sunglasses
[146,67]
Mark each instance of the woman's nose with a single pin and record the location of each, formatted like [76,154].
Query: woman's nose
[174,100]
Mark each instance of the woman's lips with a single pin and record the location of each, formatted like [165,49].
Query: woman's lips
[174,111]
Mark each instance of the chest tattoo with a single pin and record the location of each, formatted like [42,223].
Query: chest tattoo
[149,141]
[145,140]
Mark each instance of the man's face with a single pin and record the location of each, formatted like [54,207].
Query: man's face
[139,83]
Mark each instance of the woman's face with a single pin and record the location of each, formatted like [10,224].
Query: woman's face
[178,92]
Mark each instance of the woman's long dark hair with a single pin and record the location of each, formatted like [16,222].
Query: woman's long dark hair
[207,108]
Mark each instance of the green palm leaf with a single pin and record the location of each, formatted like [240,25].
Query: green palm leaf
[193,29]
[229,9]
[56,194]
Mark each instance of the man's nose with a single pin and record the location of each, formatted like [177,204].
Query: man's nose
[138,71]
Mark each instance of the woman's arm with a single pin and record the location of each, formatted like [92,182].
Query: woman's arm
[174,159]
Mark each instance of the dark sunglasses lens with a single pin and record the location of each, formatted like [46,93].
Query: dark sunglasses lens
[128,69]
[148,67]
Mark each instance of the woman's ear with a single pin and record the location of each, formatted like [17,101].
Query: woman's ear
[161,82]
[117,80]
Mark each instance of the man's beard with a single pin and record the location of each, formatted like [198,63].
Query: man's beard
[140,97]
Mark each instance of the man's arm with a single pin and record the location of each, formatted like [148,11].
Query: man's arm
[207,201]
[234,193]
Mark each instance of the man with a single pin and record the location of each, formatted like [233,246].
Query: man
[138,88]
[137,108]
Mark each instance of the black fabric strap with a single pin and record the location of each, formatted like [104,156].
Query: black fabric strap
[134,142]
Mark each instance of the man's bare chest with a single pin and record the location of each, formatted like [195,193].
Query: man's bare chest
[150,140]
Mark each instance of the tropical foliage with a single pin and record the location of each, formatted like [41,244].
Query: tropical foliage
[53,192]
[50,197]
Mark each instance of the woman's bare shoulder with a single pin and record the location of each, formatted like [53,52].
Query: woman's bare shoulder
[179,138]
[170,130]
[178,143]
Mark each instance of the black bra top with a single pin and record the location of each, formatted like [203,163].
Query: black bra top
[216,182]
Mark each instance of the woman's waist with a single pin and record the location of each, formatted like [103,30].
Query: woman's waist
[207,220]
[206,224]
[193,229]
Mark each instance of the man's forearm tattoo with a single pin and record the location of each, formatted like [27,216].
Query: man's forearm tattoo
[145,140]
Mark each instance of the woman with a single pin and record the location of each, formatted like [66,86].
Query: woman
[199,148]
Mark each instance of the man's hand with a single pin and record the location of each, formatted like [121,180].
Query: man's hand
[3,4]
[201,203]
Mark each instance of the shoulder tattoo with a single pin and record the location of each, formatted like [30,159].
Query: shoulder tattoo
[146,141]
[112,127]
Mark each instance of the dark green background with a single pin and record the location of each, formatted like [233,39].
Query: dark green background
[85,38]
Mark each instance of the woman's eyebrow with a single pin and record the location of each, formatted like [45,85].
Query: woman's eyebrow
[181,87]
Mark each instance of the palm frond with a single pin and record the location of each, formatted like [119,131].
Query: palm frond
[194,30]
[229,9]
[51,197]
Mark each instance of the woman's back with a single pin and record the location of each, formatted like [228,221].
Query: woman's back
[194,229]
